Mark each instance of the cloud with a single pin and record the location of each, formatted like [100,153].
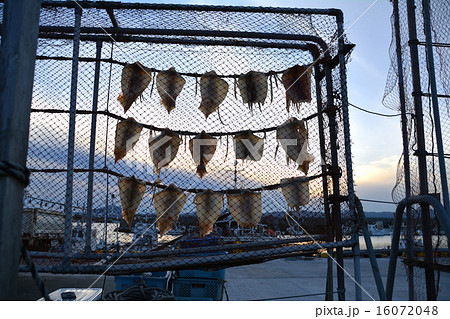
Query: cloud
[380,172]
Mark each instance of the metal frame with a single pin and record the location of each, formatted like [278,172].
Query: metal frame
[443,218]
[406,164]
[425,200]
[314,45]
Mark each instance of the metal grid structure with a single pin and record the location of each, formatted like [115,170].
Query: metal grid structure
[418,87]
[82,51]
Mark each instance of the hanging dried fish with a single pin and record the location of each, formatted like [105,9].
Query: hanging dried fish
[163,148]
[135,79]
[213,91]
[246,208]
[202,147]
[168,205]
[208,205]
[248,146]
[297,82]
[127,135]
[253,88]
[293,137]
[296,192]
[131,192]
[169,85]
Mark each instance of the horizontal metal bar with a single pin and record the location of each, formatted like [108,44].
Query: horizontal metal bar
[237,43]
[438,95]
[180,252]
[182,7]
[436,44]
[175,263]
[184,32]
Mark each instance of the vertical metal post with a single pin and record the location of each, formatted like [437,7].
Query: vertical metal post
[421,150]
[90,190]
[329,231]
[374,264]
[336,208]
[67,246]
[434,100]
[406,164]
[348,151]
[357,267]
[17,58]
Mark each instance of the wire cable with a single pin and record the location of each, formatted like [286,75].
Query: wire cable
[374,113]
[377,201]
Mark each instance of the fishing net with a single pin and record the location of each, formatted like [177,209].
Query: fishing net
[186,149]
[440,17]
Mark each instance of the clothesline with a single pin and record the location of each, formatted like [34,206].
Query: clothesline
[182,132]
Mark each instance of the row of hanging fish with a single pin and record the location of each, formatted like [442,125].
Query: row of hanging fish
[253,87]
[245,207]
[292,135]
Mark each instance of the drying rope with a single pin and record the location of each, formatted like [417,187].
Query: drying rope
[139,293]
[27,258]
[160,129]
[192,190]
[19,172]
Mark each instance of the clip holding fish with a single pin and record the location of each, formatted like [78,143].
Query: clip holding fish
[246,208]
[208,204]
[168,204]
[293,138]
[253,88]
[169,85]
[213,91]
[127,135]
[248,146]
[202,148]
[296,192]
[135,79]
[164,148]
[131,192]
[297,82]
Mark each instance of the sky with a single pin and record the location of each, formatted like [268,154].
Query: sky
[376,140]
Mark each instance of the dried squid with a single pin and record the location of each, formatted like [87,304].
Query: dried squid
[253,88]
[202,147]
[293,137]
[246,208]
[135,79]
[208,205]
[127,135]
[297,82]
[168,205]
[169,85]
[131,192]
[163,148]
[248,146]
[296,192]
[213,91]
